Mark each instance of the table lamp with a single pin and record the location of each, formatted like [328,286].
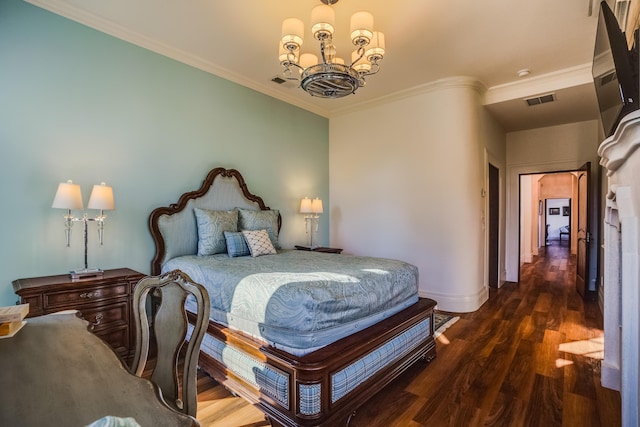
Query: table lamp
[311,209]
[69,196]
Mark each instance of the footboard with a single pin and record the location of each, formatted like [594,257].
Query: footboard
[323,388]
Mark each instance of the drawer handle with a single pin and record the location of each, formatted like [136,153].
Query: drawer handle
[98,319]
[89,294]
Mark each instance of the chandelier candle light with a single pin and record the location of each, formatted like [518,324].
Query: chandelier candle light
[311,209]
[330,77]
[68,196]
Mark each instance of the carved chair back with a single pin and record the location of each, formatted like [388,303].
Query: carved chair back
[176,379]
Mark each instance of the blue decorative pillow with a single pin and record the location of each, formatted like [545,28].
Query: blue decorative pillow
[259,242]
[211,228]
[260,220]
[236,244]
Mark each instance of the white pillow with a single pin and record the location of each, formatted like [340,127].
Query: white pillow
[259,242]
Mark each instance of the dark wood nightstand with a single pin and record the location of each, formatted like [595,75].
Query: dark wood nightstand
[319,249]
[104,301]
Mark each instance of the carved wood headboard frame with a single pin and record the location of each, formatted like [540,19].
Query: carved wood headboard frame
[181,211]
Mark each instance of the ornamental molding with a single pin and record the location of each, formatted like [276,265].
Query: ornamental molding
[615,150]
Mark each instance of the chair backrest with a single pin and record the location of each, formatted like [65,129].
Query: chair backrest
[177,381]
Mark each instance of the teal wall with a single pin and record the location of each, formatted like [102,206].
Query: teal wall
[78,104]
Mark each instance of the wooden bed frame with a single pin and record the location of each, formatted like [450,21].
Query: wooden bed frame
[314,371]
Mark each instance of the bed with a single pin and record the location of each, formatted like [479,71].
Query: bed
[308,337]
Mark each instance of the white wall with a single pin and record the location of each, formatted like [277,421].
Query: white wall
[550,149]
[406,181]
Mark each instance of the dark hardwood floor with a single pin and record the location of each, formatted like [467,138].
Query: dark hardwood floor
[530,356]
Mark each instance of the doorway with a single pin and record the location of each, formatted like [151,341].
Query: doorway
[552,213]
[558,221]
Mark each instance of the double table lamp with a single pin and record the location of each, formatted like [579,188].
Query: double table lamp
[312,210]
[69,196]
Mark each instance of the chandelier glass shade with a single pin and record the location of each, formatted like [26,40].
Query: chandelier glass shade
[329,76]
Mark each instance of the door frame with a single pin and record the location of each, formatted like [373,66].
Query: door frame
[512,238]
[512,256]
[489,158]
[493,221]
[582,283]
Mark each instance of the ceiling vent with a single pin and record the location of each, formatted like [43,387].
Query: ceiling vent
[542,99]
[284,82]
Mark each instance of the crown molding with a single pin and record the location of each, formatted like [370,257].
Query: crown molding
[449,82]
[523,88]
[105,26]
[64,9]
[562,79]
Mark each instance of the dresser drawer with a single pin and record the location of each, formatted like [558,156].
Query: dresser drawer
[107,316]
[78,296]
[117,338]
[35,304]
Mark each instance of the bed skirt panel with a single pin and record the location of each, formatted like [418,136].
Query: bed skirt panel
[325,387]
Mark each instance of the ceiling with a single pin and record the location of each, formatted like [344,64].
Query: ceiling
[426,41]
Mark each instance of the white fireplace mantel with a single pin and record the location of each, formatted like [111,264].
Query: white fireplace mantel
[619,147]
[621,364]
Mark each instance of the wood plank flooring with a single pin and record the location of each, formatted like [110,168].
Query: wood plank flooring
[530,356]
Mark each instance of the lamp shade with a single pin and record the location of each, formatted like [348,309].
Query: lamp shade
[361,27]
[305,205]
[68,196]
[316,206]
[322,20]
[376,48]
[285,56]
[292,32]
[101,198]
[359,64]
[308,60]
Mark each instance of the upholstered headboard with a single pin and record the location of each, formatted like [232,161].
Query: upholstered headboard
[174,229]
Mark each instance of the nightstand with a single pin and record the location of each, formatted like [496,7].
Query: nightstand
[105,302]
[319,249]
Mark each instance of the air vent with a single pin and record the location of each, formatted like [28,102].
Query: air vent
[542,99]
[278,79]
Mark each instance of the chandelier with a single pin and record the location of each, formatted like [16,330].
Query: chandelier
[330,77]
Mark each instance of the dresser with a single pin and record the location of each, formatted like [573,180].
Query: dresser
[105,302]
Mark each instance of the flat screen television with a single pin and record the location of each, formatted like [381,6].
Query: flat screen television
[615,71]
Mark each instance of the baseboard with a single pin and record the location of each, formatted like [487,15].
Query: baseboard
[610,376]
[457,303]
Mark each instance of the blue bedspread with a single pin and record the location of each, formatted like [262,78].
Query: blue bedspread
[300,300]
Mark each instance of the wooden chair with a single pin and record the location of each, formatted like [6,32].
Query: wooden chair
[176,381]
